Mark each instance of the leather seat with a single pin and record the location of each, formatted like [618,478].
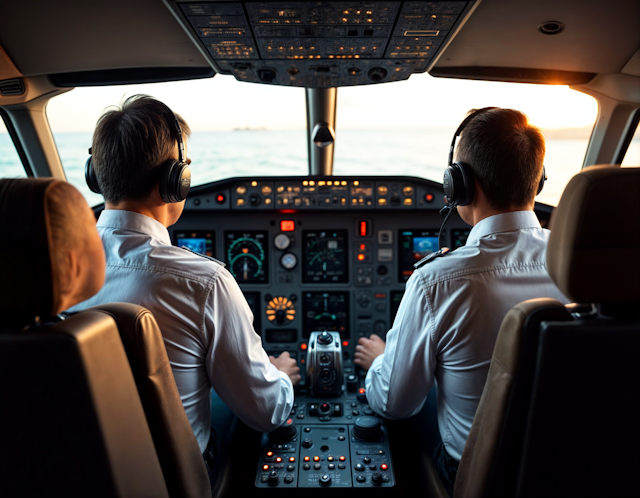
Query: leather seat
[176,445]
[560,412]
[71,421]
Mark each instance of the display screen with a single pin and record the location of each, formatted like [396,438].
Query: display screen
[200,242]
[253,300]
[459,238]
[280,335]
[396,297]
[325,256]
[246,254]
[325,311]
[414,245]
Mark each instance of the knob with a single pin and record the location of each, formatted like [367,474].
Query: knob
[362,395]
[325,338]
[376,478]
[255,199]
[367,428]
[307,443]
[325,480]
[273,478]
[286,432]
[324,408]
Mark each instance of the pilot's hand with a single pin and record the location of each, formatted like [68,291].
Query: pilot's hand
[368,350]
[288,365]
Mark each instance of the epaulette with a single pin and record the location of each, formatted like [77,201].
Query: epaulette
[442,252]
[204,256]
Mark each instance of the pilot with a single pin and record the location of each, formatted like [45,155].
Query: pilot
[448,321]
[139,165]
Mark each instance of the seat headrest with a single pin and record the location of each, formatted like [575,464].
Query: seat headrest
[594,249]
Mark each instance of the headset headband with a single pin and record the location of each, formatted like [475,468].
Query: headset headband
[464,123]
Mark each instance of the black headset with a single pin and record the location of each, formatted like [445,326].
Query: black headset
[458,177]
[175,177]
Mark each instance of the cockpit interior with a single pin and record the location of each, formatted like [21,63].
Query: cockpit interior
[322,253]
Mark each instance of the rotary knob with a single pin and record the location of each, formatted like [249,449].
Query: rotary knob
[273,479]
[367,429]
[286,432]
[307,443]
[325,338]
[376,478]
[325,480]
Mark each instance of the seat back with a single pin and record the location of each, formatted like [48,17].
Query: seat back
[178,451]
[559,412]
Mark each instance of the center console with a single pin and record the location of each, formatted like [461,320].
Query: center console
[332,437]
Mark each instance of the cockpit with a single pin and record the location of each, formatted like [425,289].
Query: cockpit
[320,133]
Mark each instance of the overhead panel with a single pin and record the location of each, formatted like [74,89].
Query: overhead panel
[321,44]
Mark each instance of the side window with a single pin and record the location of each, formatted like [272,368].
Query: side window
[10,163]
[632,156]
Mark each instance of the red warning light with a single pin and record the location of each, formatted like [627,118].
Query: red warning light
[363,247]
[362,390]
[287,226]
[384,466]
[303,346]
[428,197]
[265,467]
[361,257]
[345,343]
[220,198]
[364,228]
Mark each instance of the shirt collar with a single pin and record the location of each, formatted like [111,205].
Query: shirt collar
[136,222]
[504,222]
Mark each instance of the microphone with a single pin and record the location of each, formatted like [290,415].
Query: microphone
[446,211]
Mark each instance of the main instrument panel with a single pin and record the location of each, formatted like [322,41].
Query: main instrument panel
[313,254]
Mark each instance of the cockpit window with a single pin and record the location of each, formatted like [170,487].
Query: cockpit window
[406,128]
[402,128]
[238,129]
[632,156]
[10,164]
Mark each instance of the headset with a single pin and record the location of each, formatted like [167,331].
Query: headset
[175,177]
[458,180]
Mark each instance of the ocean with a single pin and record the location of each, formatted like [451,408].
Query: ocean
[218,155]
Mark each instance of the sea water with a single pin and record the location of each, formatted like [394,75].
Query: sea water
[218,155]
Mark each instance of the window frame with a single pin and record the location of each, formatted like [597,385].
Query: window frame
[16,142]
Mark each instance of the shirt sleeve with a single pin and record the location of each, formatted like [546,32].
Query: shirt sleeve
[399,380]
[237,365]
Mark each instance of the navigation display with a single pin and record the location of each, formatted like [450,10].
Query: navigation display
[414,245]
[325,256]
[200,242]
[246,254]
[325,311]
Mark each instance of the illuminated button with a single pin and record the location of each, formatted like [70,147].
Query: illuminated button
[267,200]
[321,183]
[361,257]
[382,202]
[428,197]
[241,190]
[383,190]
[356,183]
[359,467]
[383,466]
[332,466]
[316,458]
[266,190]
[343,183]
[254,183]
[306,459]
[345,344]
[407,190]
[287,225]
[280,189]
[303,346]
[342,458]
[408,201]
[269,453]
[292,459]
[239,202]
[265,468]
[329,183]
[278,459]
[305,183]
[220,198]
[312,183]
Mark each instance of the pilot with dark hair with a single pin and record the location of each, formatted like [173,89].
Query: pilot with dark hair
[448,321]
[139,164]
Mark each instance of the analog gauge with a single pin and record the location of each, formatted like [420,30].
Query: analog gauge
[325,256]
[280,310]
[282,241]
[247,256]
[288,261]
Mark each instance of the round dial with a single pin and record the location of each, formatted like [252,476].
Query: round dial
[288,261]
[282,241]
[246,256]
[280,310]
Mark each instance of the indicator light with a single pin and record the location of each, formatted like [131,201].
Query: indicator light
[287,225]
[363,229]
[316,458]
[292,459]
[306,459]
[254,183]
[362,390]
[278,459]
[269,453]
[220,198]
[265,467]
[363,247]
[342,459]
[361,257]
[345,343]
[303,346]
[384,466]
[428,197]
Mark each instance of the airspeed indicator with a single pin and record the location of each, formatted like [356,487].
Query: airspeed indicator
[247,256]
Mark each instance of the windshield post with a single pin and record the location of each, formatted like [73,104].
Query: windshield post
[321,122]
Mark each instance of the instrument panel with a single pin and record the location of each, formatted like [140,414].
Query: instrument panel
[320,254]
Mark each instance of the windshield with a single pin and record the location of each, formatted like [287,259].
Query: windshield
[403,128]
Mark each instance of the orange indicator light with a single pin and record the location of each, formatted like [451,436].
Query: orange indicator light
[292,459]
[383,466]
[316,458]
[363,247]
[269,453]
[342,458]
[361,257]
[306,459]
[278,459]
[287,225]
[303,346]
[362,390]
[265,467]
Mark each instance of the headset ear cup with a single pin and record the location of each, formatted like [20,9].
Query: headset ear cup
[90,177]
[175,181]
[543,178]
[468,187]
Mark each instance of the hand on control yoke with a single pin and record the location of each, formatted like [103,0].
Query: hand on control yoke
[288,365]
[368,350]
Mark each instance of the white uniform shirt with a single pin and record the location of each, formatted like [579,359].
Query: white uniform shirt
[448,321]
[204,318]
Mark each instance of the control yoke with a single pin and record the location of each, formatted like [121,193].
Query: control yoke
[324,364]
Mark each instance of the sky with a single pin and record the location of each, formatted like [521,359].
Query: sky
[222,103]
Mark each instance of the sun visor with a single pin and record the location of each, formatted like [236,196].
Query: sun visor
[321,44]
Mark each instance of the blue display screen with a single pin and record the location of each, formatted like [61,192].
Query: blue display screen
[196,245]
[201,242]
